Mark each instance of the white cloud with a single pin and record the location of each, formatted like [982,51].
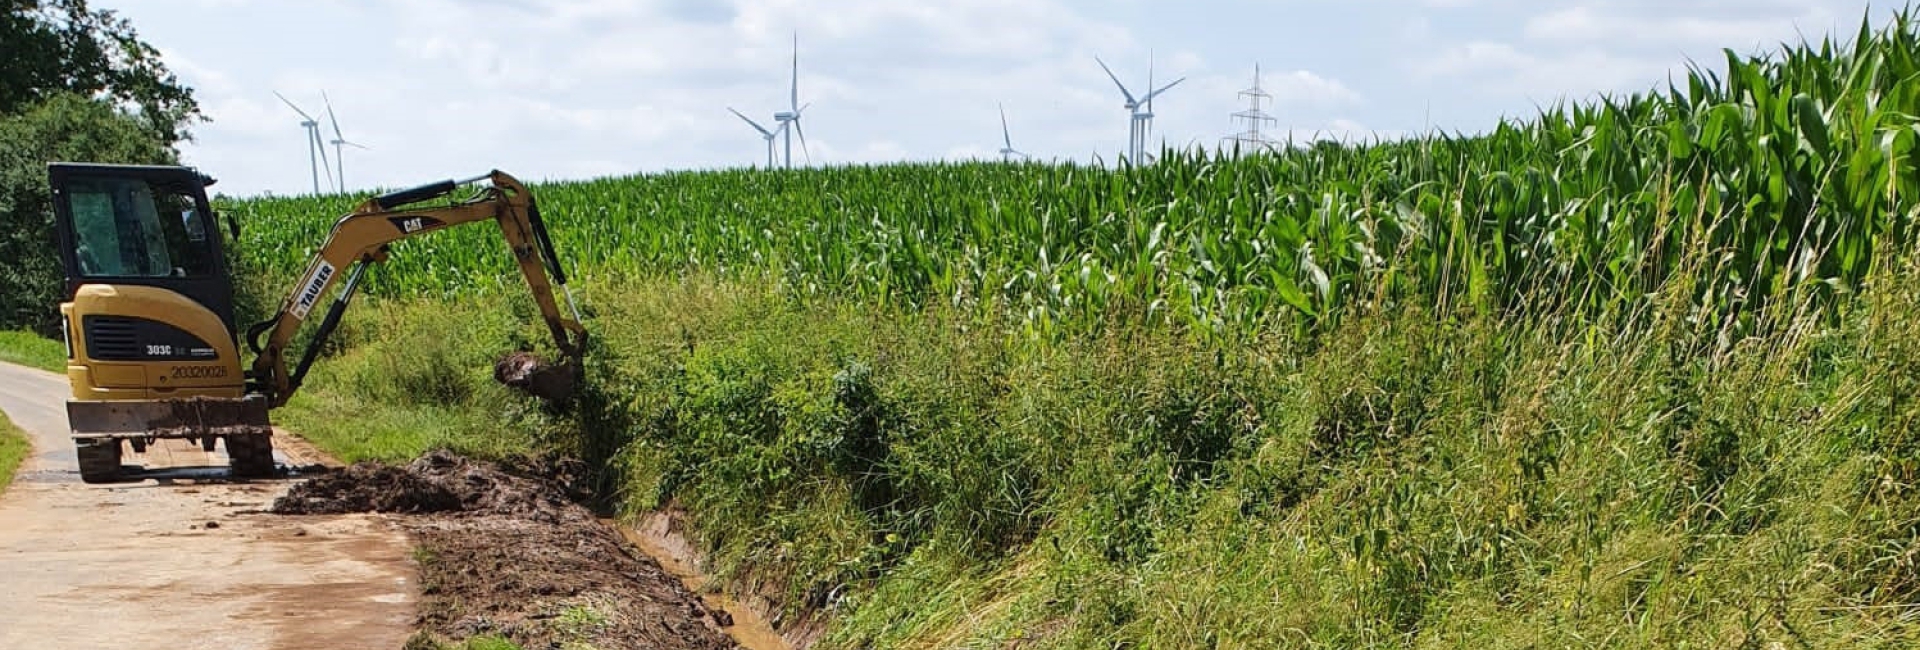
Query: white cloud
[1505,68]
[636,85]
[1617,24]
[1575,50]
[1306,88]
[553,88]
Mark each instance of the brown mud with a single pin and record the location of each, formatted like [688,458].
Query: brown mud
[533,376]
[760,623]
[506,553]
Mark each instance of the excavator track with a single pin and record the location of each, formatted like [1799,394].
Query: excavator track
[99,459]
[251,454]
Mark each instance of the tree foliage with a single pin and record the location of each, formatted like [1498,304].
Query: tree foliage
[76,84]
[49,47]
[62,127]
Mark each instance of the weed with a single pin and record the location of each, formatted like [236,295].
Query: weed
[13,449]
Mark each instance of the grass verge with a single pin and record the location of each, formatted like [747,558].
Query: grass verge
[33,350]
[13,449]
[398,385]
[1410,479]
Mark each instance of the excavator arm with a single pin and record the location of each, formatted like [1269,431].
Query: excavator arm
[361,238]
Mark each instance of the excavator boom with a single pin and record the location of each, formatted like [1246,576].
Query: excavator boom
[360,239]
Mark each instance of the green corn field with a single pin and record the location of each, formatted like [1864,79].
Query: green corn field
[1776,175]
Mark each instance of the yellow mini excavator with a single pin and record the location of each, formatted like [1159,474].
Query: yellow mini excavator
[152,348]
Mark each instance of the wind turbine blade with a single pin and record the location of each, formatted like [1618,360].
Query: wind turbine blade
[336,123]
[803,139]
[1005,135]
[1116,80]
[1165,88]
[794,100]
[296,109]
[356,145]
[756,125]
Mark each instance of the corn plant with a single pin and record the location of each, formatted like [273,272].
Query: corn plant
[1776,176]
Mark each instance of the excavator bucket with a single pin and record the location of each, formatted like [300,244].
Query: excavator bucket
[552,382]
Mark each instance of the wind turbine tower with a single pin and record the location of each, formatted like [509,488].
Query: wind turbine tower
[786,122]
[1007,152]
[1140,110]
[789,119]
[314,145]
[339,156]
[1249,123]
[769,136]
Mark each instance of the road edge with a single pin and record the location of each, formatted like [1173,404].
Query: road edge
[19,432]
[9,468]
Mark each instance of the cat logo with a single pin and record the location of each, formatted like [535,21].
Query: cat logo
[411,225]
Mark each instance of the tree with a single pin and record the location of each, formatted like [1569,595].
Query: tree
[75,84]
[49,47]
[62,127]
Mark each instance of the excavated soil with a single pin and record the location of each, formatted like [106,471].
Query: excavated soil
[507,552]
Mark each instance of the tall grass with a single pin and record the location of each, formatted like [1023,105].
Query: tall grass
[32,350]
[1410,479]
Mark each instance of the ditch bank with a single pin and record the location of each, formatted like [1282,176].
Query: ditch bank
[508,552]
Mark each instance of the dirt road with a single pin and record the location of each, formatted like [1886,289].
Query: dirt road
[181,561]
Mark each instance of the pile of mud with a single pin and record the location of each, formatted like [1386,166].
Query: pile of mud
[508,553]
[439,482]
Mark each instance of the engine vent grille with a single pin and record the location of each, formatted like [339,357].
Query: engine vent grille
[110,338]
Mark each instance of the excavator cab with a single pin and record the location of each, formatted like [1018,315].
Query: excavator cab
[146,283]
[149,318]
[145,226]
[153,350]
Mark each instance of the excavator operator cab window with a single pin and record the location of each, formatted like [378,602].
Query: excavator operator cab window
[127,228]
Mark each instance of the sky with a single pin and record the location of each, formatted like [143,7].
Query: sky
[568,89]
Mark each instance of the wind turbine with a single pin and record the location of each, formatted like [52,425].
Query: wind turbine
[769,136]
[1141,110]
[1007,152]
[339,157]
[313,144]
[791,116]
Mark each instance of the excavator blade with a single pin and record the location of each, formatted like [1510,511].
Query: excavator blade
[100,427]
